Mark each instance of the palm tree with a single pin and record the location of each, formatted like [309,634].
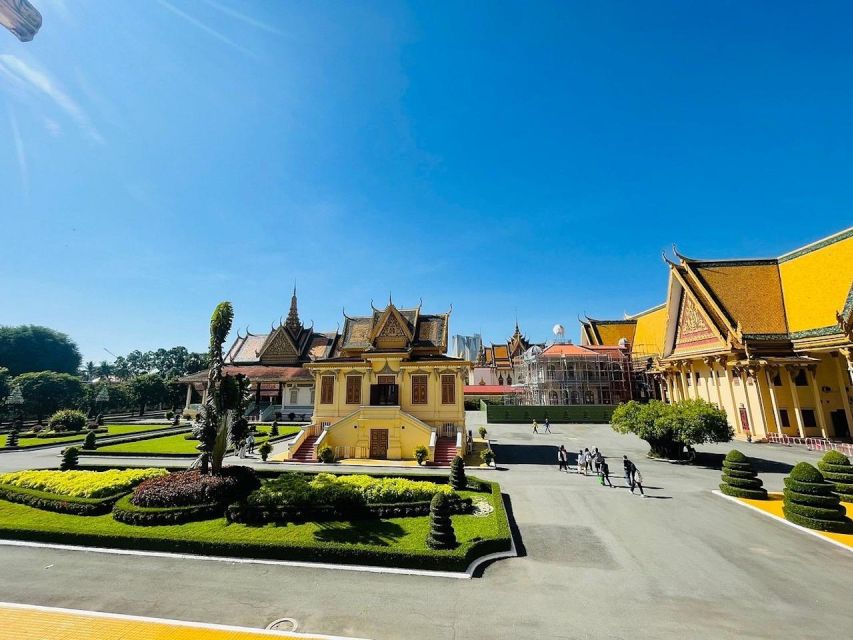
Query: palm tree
[90,371]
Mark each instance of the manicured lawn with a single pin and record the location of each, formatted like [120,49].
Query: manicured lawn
[391,542]
[112,430]
[177,444]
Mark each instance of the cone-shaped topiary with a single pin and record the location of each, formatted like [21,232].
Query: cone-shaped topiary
[457,474]
[12,438]
[69,459]
[836,468]
[739,480]
[441,534]
[89,443]
[810,502]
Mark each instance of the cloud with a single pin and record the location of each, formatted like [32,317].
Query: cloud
[242,17]
[208,30]
[22,73]
[52,127]
[21,154]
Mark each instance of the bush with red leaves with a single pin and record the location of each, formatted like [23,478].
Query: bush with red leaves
[186,488]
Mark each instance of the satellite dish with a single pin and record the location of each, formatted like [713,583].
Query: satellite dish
[559,330]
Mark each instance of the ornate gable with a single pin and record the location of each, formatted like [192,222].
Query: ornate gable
[391,331]
[693,329]
[279,348]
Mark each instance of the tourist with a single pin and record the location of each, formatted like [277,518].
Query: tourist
[563,459]
[587,459]
[547,425]
[250,441]
[638,481]
[535,426]
[597,459]
[629,473]
[605,473]
[580,460]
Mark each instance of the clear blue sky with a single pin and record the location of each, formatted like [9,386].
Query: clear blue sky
[157,157]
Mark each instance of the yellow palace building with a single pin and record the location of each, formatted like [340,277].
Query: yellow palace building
[386,389]
[770,341]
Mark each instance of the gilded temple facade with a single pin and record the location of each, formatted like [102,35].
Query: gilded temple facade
[770,341]
[387,388]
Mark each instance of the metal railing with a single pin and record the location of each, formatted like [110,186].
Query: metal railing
[811,443]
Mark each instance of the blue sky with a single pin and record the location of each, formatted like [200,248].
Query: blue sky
[521,158]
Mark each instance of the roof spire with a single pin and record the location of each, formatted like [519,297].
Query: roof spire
[292,323]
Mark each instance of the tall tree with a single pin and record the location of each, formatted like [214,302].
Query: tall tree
[89,371]
[32,348]
[104,370]
[46,392]
[148,388]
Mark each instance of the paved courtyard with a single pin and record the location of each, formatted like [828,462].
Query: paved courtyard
[596,563]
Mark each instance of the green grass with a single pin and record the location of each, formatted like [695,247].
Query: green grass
[392,542]
[178,445]
[112,430]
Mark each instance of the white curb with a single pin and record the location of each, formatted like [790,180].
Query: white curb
[811,532]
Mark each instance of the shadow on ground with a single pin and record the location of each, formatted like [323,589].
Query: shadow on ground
[515,532]
[525,453]
[715,461]
[376,532]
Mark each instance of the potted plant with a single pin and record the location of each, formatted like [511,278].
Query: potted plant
[487,456]
[421,454]
[265,450]
[326,455]
[482,431]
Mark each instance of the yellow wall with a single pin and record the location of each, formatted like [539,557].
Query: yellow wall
[649,335]
[816,285]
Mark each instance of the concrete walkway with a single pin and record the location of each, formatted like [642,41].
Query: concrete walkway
[596,563]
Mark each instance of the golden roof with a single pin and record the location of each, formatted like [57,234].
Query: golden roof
[650,331]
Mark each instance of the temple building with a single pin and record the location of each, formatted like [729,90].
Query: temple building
[501,364]
[387,388]
[770,341]
[275,363]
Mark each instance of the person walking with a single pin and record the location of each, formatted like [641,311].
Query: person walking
[580,460]
[638,481]
[587,457]
[535,426]
[605,473]
[563,459]
[547,425]
[250,441]
[597,459]
[629,473]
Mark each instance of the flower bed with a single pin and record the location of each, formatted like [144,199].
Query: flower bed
[80,484]
[293,497]
[60,504]
[46,435]
[191,488]
[125,511]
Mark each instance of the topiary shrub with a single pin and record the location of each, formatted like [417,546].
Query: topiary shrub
[274,429]
[441,534]
[12,438]
[67,420]
[836,467]
[739,479]
[810,501]
[69,459]
[89,443]
[325,454]
[487,456]
[265,450]
[482,431]
[421,453]
[457,474]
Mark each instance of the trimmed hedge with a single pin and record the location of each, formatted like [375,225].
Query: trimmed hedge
[739,479]
[192,488]
[836,467]
[809,501]
[58,503]
[47,435]
[128,513]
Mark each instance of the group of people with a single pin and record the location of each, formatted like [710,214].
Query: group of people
[246,445]
[546,426]
[594,462]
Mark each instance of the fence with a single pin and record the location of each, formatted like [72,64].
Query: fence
[812,444]
[589,413]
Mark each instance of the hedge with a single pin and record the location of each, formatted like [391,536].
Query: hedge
[836,467]
[739,479]
[809,501]
[128,513]
[58,503]
[47,435]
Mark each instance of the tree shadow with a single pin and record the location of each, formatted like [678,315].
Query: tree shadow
[380,533]
[514,531]
[526,453]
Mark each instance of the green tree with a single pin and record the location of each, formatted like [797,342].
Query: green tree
[104,370]
[5,387]
[146,389]
[45,392]
[667,428]
[89,371]
[31,348]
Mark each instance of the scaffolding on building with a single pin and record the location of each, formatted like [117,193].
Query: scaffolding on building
[572,377]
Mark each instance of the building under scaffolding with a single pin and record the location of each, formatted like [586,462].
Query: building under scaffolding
[568,374]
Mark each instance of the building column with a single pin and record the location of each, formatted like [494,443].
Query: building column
[811,374]
[716,376]
[708,381]
[728,374]
[189,395]
[757,418]
[204,395]
[684,392]
[773,400]
[795,397]
[845,399]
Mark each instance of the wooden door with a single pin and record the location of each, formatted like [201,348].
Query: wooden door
[839,424]
[379,444]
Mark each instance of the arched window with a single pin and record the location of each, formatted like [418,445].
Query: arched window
[501,379]
[509,379]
